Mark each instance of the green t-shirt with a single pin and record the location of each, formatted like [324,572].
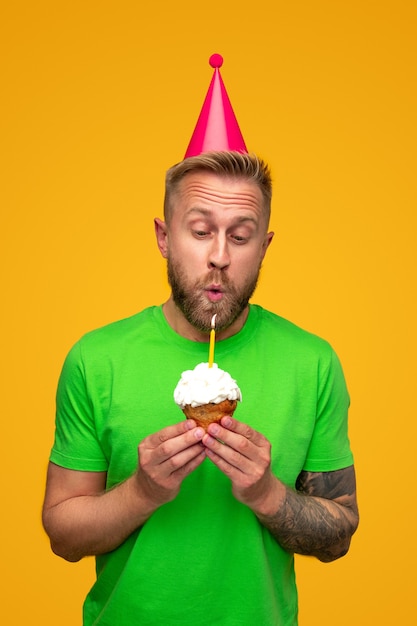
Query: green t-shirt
[203,558]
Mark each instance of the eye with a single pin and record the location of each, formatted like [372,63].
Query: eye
[200,234]
[239,239]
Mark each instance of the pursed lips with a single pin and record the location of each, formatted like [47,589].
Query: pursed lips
[214,292]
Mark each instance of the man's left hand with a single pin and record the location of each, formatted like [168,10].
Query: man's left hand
[244,455]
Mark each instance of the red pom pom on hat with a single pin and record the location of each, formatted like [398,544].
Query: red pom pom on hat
[216,60]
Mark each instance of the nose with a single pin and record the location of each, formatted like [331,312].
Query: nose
[219,257]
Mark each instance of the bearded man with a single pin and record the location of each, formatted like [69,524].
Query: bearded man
[191,526]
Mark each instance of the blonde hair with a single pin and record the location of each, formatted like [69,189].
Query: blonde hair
[227,164]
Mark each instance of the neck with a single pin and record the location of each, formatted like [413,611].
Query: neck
[182,326]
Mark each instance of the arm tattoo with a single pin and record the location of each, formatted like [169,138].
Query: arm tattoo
[320,517]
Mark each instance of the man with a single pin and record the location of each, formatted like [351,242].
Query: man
[188,526]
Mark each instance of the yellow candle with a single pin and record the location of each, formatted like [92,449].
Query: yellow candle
[212,341]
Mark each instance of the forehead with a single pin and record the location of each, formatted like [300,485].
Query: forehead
[206,190]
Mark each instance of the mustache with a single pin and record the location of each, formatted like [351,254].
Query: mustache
[217,277]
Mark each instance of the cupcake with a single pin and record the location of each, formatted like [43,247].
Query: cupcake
[206,394]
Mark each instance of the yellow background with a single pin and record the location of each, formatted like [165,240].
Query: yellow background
[99,99]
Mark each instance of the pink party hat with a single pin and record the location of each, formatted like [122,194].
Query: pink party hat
[217,127]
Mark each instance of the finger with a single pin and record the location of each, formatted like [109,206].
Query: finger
[162,481]
[222,453]
[158,465]
[244,445]
[169,432]
[182,464]
[229,464]
[233,425]
[170,441]
[172,447]
[173,430]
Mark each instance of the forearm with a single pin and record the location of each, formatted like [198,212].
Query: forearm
[95,524]
[83,519]
[309,525]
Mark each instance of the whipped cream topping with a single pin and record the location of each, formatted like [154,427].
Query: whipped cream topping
[204,385]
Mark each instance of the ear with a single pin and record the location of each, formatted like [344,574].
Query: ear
[161,232]
[267,241]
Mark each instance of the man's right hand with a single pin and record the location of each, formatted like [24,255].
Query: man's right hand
[166,458]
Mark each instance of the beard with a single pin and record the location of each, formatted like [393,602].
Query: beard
[194,304]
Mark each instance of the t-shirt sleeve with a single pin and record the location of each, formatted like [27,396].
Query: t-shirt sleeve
[76,445]
[329,448]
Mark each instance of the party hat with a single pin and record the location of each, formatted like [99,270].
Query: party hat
[217,127]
